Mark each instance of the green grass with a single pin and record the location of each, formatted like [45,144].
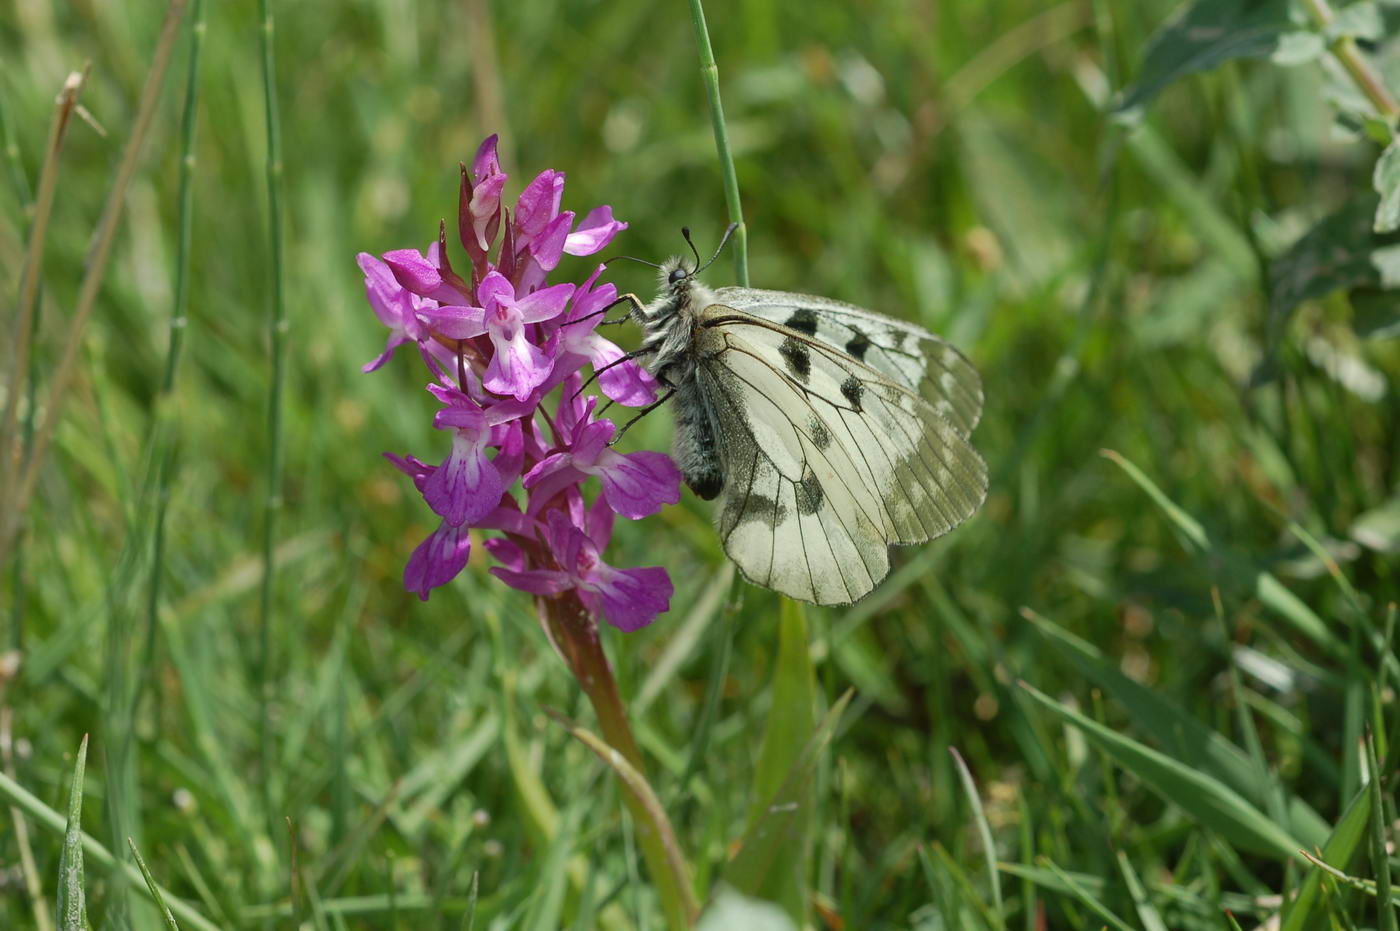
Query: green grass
[1159,665]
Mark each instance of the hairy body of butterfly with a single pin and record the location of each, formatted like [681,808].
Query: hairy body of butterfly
[831,431]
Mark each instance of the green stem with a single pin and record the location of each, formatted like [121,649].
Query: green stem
[25,196]
[103,240]
[163,441]
[1362,74]
[11,455]
[574,632]
[277,331]
[709,75]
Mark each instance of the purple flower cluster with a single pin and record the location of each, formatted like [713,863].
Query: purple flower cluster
[497,346]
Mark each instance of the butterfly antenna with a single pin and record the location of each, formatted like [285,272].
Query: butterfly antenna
[723,240]
[631,259]
[685,231]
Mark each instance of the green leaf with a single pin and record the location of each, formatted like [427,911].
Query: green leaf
[1379,528]
[652,817]
[72,903]
[1298,48]
[1205,798]
[782,823]
[1380,861]
[1307,909]
[984,831]
[1342,251]
[1178,894]
[1087,897]
[1375,314]
[1386,180]
[1147,913]
[1183,737]
[1361,20]
[790,724]
[156,895]
[1187,524]
[1204,35]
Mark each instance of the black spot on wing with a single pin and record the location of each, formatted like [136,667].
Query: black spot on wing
[858,345]
[761,509]
[803,320]
[820,435]
[797,357]
[852,390]
[809,494]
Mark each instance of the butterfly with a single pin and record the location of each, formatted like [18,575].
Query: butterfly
[830,431]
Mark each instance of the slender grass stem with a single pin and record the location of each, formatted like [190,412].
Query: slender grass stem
[11,456]
[24,193]
[709,74]
[17,504]
[33,885]
[277,331]
[14,164]
[164,437]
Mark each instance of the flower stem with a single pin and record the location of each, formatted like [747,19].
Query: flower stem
[277,332]
[1357,66]
[574,632]
[709,74]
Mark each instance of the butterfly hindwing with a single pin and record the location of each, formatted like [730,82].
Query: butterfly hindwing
[828,459]
[904,352]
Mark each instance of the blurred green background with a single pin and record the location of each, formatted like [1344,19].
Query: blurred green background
[951,163]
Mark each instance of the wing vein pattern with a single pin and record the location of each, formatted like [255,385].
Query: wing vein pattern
[836,425]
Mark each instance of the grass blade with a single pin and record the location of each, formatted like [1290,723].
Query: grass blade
[1181,735]
[1307,908]
[277,334]
[1380,861]
[1087,898]
[785,816]
[42,814]
[1188,525]
[1207,799]
[789,730]
[984,830]
[72,902]
[634,783]
[154,889]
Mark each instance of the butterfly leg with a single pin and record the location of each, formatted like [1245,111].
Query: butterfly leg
[633,313]
[642,413]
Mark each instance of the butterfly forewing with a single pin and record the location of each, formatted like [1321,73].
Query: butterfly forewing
[828,459]
[907,354]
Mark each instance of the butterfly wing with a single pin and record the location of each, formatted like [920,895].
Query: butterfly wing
[827,459]
[906,353]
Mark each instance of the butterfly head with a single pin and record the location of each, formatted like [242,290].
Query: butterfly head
[676,276]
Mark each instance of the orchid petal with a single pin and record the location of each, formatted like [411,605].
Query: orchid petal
[594,233]
[545,304]
[518,366]
[437,560]
[639,484]
[467,484]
